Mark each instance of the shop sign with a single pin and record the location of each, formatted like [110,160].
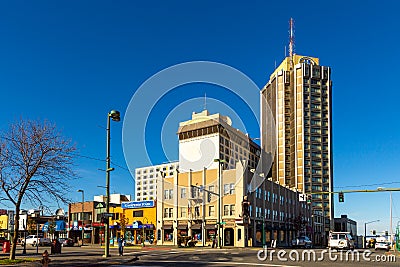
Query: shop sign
[137,204]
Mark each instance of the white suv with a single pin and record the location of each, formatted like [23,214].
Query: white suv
[340,240]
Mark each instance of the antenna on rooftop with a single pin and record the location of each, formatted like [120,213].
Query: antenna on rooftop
[291,37]
[291,41]
[205,101]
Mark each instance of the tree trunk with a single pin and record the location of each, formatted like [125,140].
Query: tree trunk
[16,232]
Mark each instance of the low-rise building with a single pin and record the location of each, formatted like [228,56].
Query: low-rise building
[188,205]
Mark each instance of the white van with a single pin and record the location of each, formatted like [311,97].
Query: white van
[340,240]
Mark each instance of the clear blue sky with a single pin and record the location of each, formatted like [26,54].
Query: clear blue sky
[73,61]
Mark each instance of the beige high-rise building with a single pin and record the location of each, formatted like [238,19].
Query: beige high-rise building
[299,96]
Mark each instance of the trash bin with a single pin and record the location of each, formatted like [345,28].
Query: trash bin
[55,247]
[6,246]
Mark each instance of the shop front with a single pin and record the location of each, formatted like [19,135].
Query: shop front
[98,233]
[55,229]
[167,233]
[211,232]
[196,232]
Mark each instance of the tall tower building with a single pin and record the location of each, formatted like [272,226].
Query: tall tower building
[298,94]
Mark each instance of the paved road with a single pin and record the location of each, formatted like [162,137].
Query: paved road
[197,257]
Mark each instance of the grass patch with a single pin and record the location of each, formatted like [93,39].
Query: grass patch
[4,261]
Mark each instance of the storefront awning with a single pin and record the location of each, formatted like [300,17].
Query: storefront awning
[182,226]
[210,226]
[196,226]
[167,227]
[59,226]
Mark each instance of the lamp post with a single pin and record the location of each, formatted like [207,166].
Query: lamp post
[220,161]
[365,230]
[115,116]
[83,202]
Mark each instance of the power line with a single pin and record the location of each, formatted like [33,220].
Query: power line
[102,160]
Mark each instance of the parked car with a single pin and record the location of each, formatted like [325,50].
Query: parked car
[302,241]
[66,242]
[35,240]
[340,240]
[382,245]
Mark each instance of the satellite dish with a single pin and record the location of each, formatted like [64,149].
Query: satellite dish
[60,212]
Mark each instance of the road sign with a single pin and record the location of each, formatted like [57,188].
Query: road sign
[302,197]
[100,205]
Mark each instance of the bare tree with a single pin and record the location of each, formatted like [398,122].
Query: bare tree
[35,166]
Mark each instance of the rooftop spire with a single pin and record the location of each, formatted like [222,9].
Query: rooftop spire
[291,37]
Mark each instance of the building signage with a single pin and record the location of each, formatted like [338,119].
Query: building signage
[100,205]
[137,204]
[3,222]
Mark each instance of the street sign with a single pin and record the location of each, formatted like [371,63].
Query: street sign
[100,205]
[223,222]
[107,214]
[302,197]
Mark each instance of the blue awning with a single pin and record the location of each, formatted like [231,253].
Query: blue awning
[60,226]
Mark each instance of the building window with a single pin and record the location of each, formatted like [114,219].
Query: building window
[168,194]
[183,212]
[229,189]
[211,211]
[138,213]
[168,212]
[232,210]
[197,211]
[226,210]
[183,192]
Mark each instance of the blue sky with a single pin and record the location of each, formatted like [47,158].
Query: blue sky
[73,61]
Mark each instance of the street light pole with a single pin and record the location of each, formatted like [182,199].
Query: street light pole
[391,222]
[115,116]
[365,231]
[83,202]
[219,201]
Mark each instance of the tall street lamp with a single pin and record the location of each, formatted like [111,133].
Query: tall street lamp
[365,230]
[220,162]
[115,116]
[83,201]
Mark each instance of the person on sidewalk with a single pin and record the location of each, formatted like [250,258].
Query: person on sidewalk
[121,246]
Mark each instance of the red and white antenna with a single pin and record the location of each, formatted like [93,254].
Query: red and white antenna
[291,37]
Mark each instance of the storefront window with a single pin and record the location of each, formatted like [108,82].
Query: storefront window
[168,235]
[210,235]
[196,234]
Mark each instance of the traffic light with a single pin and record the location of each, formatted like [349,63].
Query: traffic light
[309,198]
[374,232]
[386,233]
[209,197]
[245,207]
[341,197]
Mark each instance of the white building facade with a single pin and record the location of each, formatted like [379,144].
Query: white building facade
[146,177]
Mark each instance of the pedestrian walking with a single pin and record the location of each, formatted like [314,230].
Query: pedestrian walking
[120,246]
[214,243]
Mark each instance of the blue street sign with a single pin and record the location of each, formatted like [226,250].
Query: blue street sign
[137,204]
